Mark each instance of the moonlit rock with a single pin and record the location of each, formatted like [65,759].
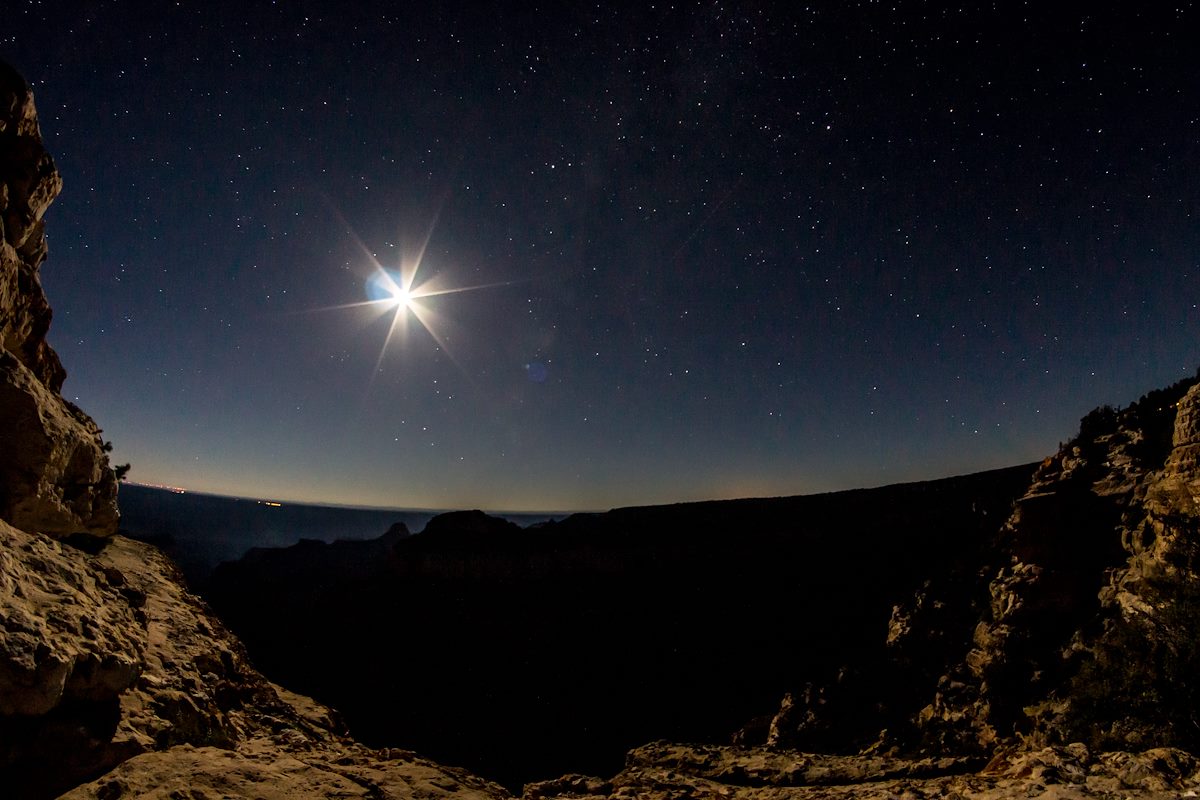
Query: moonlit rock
[54,474]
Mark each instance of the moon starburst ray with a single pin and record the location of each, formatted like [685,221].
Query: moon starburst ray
[400,290]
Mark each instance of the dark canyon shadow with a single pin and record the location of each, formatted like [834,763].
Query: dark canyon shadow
[526,653]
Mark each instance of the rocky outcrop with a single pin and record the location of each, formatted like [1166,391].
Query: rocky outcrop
[55,476]
[660,771]
[114,676]
[263,770]
[1074,623]
[29,182]
[1088,634]
[68,629]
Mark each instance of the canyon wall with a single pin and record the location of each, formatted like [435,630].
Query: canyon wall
[54,475]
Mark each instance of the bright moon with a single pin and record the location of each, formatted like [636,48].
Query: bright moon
[397,290]
[400,297]
[393,290]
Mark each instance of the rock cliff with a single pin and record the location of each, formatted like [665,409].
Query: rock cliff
[115,681]
[1089,633]
[54,477]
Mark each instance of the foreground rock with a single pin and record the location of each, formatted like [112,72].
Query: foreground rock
[69,635]
[660,771]
[114,673]
[54,474]
[262,770]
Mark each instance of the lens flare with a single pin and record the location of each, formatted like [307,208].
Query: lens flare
[396,290]
[386,287]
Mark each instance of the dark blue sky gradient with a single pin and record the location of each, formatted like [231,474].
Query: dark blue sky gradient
[731,249]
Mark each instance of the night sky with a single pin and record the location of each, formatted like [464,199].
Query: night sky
[720,249]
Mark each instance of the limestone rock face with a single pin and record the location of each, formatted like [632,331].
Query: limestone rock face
[54,476]
[1090,634]
[29,182]
[1175,491]
[68,633]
